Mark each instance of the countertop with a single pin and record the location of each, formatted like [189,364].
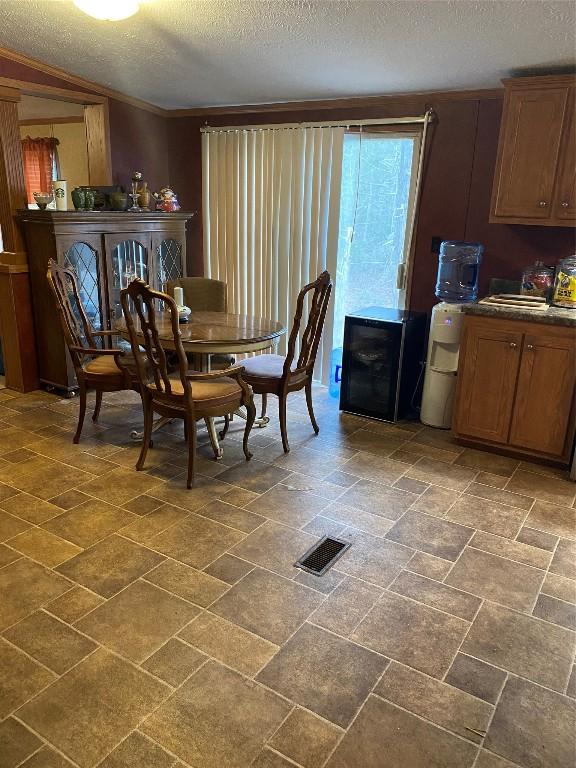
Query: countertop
[550,316]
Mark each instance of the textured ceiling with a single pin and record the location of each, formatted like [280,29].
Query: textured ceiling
[186,53]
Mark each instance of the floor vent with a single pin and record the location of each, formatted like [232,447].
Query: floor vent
[322,555]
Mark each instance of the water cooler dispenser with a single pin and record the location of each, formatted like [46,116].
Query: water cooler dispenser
[457,284]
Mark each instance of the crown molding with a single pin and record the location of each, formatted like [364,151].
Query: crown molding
[62,74]
[353,102]
[540,81]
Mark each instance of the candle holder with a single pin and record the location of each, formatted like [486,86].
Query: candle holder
[136,179]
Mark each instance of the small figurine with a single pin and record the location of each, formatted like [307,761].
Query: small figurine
[166,200]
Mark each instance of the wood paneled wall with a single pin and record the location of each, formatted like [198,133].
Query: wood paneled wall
[455,194]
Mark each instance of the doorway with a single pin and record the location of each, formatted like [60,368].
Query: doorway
[53,134]
[379,174]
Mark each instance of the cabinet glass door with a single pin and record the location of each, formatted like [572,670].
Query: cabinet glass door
[83,260]
[168,262]
[128,260]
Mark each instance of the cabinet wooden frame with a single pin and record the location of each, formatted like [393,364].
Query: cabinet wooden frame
[537,404]
[535,174]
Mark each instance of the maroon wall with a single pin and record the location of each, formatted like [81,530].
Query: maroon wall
[456,189]
[138,137]
[455,194]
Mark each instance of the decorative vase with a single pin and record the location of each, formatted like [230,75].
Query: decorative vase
[60,188]
[144,196]
[118,201]
[78,198]
[89,198]
[184,313]
[42,199]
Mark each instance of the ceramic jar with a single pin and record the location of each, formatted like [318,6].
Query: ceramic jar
[118,201]
[78,198]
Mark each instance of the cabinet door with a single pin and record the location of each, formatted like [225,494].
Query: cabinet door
[529,147]
[85,259]
[565,195]
[168,261]
[487,375]
[128,256]
[543,415]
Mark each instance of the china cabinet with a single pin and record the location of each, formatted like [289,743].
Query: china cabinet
[106,250]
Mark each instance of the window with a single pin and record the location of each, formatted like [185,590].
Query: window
[40,165]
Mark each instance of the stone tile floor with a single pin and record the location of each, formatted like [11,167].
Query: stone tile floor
[149,626]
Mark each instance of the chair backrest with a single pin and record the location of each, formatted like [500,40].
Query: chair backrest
[141,306]
[318,295]
[201,294]
[78,331]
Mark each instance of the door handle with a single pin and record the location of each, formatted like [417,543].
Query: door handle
[513,344]
[529,346]
[401,276]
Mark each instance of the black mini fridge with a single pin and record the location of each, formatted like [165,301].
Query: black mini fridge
[381,362]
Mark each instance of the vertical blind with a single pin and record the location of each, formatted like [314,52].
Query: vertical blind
[271,204]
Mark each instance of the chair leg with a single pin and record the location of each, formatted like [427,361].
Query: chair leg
[98,405]
[224,431]
[315,426]
[211,427]
[81,412]
[282,412]
[147,435]
[191,428]
[250,418]
[264,405]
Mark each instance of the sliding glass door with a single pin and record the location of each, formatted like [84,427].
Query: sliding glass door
[379,173]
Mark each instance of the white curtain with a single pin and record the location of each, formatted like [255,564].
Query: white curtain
[271,206]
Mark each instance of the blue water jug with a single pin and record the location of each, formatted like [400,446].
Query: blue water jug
[458,267]
[335,372]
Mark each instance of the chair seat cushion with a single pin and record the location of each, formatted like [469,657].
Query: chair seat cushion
[203,392]
[264,366]
[105,365]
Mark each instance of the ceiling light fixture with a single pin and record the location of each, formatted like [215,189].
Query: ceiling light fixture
[108,10]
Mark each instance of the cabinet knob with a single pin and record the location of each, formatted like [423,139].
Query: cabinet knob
[564,204]
[513,344]
[529,346]
[542,203]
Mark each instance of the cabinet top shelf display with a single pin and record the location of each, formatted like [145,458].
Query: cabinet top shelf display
[535,176]
[35,214]
[63,222]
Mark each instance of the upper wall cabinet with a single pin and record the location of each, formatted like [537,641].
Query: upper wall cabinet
[535,178]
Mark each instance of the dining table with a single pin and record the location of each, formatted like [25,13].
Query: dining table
[213,333]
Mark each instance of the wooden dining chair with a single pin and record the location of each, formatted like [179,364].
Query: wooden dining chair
[278,375]
[186,395]
[97,369]
[204,294]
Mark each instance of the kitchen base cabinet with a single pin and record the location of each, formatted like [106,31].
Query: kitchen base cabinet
[516,388]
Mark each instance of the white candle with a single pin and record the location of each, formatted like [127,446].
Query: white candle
[179,296]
